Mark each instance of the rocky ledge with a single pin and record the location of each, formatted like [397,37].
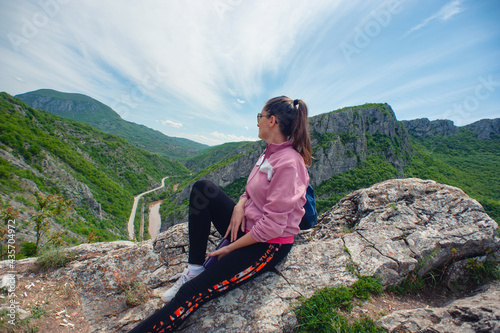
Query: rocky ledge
[392,229]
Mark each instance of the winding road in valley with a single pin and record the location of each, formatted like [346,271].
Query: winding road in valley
[134,209]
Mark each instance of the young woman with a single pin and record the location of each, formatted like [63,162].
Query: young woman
[260,227]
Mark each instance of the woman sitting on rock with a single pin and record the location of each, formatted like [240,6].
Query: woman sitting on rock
[260,227]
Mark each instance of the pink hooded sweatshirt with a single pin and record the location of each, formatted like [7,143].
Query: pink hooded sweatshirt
[276,193]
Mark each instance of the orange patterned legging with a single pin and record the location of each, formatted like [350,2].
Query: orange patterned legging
[234,269]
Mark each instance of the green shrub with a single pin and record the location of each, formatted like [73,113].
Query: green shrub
[319,313]
[28,249]
[483,272]
[55,257]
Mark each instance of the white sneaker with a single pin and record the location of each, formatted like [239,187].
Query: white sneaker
[181,279]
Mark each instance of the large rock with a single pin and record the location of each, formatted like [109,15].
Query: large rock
[399,226]
[390,229]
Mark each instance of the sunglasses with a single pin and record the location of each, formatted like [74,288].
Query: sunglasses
[260,115]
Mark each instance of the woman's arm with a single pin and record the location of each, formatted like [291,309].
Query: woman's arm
[243,241]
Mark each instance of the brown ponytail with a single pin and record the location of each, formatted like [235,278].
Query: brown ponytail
[293,123]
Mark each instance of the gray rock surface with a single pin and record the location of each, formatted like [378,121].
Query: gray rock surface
[485,128]
[390,229]
[479,313]
[399,226]
[423,127]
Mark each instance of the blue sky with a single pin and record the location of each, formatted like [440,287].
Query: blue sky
[203,69]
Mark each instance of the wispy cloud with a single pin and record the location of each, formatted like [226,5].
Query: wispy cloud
[217,138]
[445,13]
[171,123]
[230,137]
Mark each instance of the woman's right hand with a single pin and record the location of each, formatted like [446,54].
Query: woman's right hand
[237,221]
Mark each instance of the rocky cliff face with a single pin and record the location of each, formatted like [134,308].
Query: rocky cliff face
[485,127]
[339,140]
[68,108]
[73,106]
[423,127]
[354,126]
[393,229]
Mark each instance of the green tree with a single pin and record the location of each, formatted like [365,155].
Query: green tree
[48,206]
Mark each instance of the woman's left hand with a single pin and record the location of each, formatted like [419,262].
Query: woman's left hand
[220,253]
[243,241]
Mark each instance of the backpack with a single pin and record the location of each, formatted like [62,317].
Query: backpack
[310,217]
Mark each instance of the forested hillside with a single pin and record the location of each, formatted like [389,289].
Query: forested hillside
[462,160]
[99,172]
[90,111]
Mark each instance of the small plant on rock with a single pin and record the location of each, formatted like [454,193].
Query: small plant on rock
[55,258]
[365,286]
[483,272]
[137,293]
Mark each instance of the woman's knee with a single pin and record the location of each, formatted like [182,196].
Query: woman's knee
[202,192]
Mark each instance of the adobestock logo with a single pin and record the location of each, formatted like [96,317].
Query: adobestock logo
[365,33]
[483,90]
[30,27]
[136,95]
[223,6]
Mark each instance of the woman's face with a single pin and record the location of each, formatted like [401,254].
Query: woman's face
[263,125]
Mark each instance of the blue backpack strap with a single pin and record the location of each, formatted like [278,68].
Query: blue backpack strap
[310,217]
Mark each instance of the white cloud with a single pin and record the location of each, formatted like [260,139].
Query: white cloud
[171,123]
[445,13]
[126,45]
[230,137]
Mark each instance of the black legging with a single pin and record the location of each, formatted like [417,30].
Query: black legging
[208,203]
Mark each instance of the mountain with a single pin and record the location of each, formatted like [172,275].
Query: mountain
[99,172]
[90,111]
